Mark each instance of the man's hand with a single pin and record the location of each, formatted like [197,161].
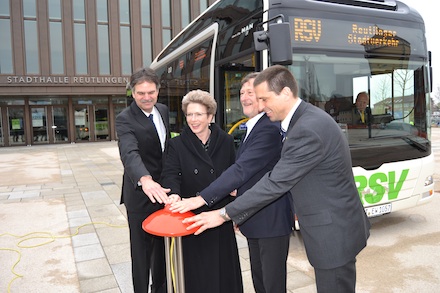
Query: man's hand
[205,221]
[187,204]
[154,190]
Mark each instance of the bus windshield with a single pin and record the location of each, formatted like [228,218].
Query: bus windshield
[395,120]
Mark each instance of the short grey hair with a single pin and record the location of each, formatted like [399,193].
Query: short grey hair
[200,97]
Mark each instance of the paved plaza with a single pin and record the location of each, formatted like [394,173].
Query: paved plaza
[62,228]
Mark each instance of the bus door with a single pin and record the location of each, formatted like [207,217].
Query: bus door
[231,117]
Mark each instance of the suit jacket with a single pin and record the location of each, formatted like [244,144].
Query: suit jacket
[256,156]
[356,114]
[315,166]
[141,154]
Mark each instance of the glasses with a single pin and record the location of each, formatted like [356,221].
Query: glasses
[195,115]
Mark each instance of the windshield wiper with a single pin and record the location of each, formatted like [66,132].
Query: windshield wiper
[415,143]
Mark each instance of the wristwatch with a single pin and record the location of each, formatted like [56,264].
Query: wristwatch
[224,215]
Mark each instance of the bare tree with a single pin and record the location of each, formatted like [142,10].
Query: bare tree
[403,81]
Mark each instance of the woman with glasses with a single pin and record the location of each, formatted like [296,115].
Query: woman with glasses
[196,158]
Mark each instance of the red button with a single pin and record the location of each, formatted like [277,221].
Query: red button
[167,224]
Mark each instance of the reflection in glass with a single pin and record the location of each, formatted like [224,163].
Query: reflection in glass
[82,124]
[31,46]
[56,48]
[16,126]
[80,48]
[101,10]
[60,123]
[78,10]
[166,36]
[186,14]
[39,125]
[124,11]
[145,12]
[166,13]
[203,5]
[5,46]
[29,8]
[146,45]
[395,126]
[4,8]
[126,50]
[103,50]
[54,9]
[101,123]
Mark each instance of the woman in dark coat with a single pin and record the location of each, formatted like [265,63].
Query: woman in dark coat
[196,158]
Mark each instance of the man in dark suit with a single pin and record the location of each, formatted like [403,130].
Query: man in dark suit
[143,132]
[315,165]
[268,231]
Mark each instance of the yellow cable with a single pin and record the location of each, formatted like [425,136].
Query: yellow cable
[237,124]
[46,235]
[173,276]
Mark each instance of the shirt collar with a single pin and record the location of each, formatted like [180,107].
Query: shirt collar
[252,121]
[155,112]
[286,121]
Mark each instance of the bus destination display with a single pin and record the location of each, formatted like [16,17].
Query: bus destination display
[332,34]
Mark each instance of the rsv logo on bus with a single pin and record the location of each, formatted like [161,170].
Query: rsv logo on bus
[379,184]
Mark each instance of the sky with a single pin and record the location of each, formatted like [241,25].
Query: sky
[432,22]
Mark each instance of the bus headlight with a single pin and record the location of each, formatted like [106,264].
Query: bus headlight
[429,180]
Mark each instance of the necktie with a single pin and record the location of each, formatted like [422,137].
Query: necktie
[151,119]
[362,116]
[283,134]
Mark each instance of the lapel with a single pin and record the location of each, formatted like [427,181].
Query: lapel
[298,113]
[140,117]
[145,123]
[163,111]
[260,123]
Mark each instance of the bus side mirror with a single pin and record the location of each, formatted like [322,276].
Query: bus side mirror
[278,40]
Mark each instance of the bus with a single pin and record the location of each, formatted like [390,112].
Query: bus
[335,49]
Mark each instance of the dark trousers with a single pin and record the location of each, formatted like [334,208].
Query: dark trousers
[147,253]
[340,279]
[268,258]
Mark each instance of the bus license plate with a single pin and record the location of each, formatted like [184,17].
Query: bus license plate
[378,210]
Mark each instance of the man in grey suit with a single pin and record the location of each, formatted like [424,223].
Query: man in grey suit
[143,132]
[315,165]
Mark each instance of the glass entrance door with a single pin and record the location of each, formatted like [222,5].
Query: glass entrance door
[101,122]
[16,125]
[49,124]
[60,124]
[82,123]
[39,125]
[91,123]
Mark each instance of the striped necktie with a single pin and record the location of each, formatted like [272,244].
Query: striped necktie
[283,134]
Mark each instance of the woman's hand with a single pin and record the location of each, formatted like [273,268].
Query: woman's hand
[172,198]
[187,204]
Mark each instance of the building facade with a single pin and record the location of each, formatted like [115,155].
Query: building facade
[65,64]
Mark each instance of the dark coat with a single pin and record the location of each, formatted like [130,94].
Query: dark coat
[256,156]
[211,262]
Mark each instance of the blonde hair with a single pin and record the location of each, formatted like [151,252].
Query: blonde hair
[200,97]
